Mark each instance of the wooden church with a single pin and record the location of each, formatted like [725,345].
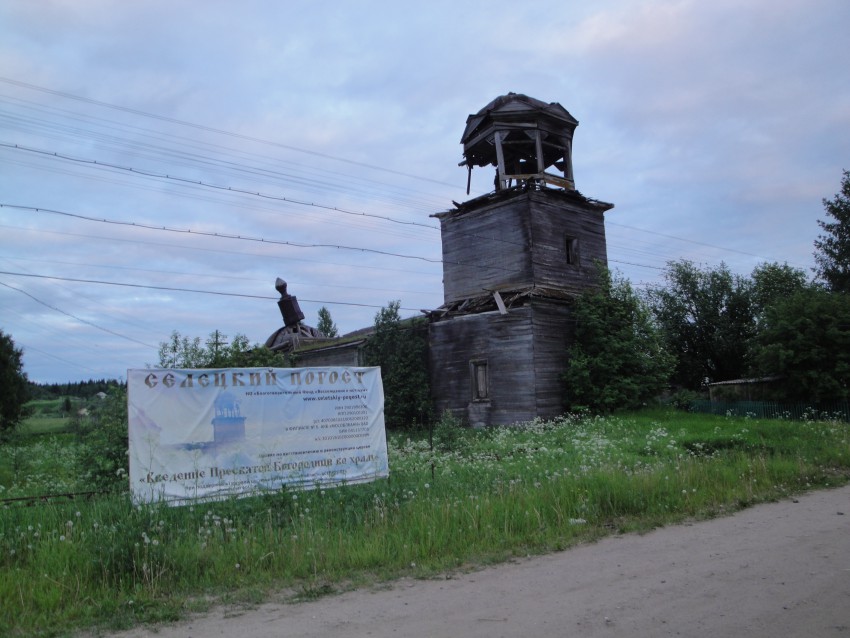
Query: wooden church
[512,262]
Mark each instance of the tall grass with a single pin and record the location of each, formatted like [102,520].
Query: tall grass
[476,497]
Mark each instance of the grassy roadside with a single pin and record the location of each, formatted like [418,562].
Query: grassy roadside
[478,497]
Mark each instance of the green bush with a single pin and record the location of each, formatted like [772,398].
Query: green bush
[400,349]
[684,399]
[103,457]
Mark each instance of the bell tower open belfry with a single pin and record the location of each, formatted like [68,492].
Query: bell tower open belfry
[513,260]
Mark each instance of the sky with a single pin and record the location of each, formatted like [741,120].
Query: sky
[163,162]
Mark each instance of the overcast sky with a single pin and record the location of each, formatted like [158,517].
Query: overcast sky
[324,134]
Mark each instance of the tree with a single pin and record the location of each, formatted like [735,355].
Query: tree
[707,319]
[184,352]
[14,388]
[806,343]
[326,325]
[832,253]
[773,282]
[400,348]
[618,359]
[216,349]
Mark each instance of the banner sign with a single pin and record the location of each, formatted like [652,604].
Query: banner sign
[207,434]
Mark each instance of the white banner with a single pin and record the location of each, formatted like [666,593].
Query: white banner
[206,434]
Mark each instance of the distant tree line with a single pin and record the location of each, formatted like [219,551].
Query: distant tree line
[79,389]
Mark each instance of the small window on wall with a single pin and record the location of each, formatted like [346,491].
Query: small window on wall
[571,248]
[480,380]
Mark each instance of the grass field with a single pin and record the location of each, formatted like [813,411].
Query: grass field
[45,425]
[477,497]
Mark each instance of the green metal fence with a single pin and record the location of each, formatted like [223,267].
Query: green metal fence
[832,411]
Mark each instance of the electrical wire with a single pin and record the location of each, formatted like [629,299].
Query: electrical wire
[210,129]
[173,289]
[73,316]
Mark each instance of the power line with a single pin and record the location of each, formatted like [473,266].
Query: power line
[296,149]
[230,189]
[260,240]
[205,146]
[53,356]
[196,275]
[242,191]
[690,241]
[211,129]
[209,250]
[175,289]
[290,200]
[631,263]
[186,231]
[80,319]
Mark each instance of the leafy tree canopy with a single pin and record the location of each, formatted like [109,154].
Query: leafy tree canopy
[185,352]
[618,360]
[326,325]
[806,342]
[707,318]
[14,388]
[832,249]
[773,282]
[400,348]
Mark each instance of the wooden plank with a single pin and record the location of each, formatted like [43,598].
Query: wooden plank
[499,303]
[538,145]
[500,159]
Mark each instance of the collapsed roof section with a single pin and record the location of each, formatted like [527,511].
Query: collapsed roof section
[496,300]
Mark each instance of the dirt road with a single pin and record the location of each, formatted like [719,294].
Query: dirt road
[778,570]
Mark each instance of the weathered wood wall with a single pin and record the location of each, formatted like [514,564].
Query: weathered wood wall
[526,353]
[505,342]
[519,240]
[551,333]
[555,216]
[348,354]
[486,249]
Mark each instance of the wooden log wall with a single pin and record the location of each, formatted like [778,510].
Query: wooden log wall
[551,328]
[505,343]
[519,240]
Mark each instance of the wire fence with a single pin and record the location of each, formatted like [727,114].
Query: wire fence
[825,411]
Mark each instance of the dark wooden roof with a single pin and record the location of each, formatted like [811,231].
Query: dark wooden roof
[514,114]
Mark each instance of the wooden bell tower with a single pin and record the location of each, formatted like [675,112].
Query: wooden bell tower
[512,262]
